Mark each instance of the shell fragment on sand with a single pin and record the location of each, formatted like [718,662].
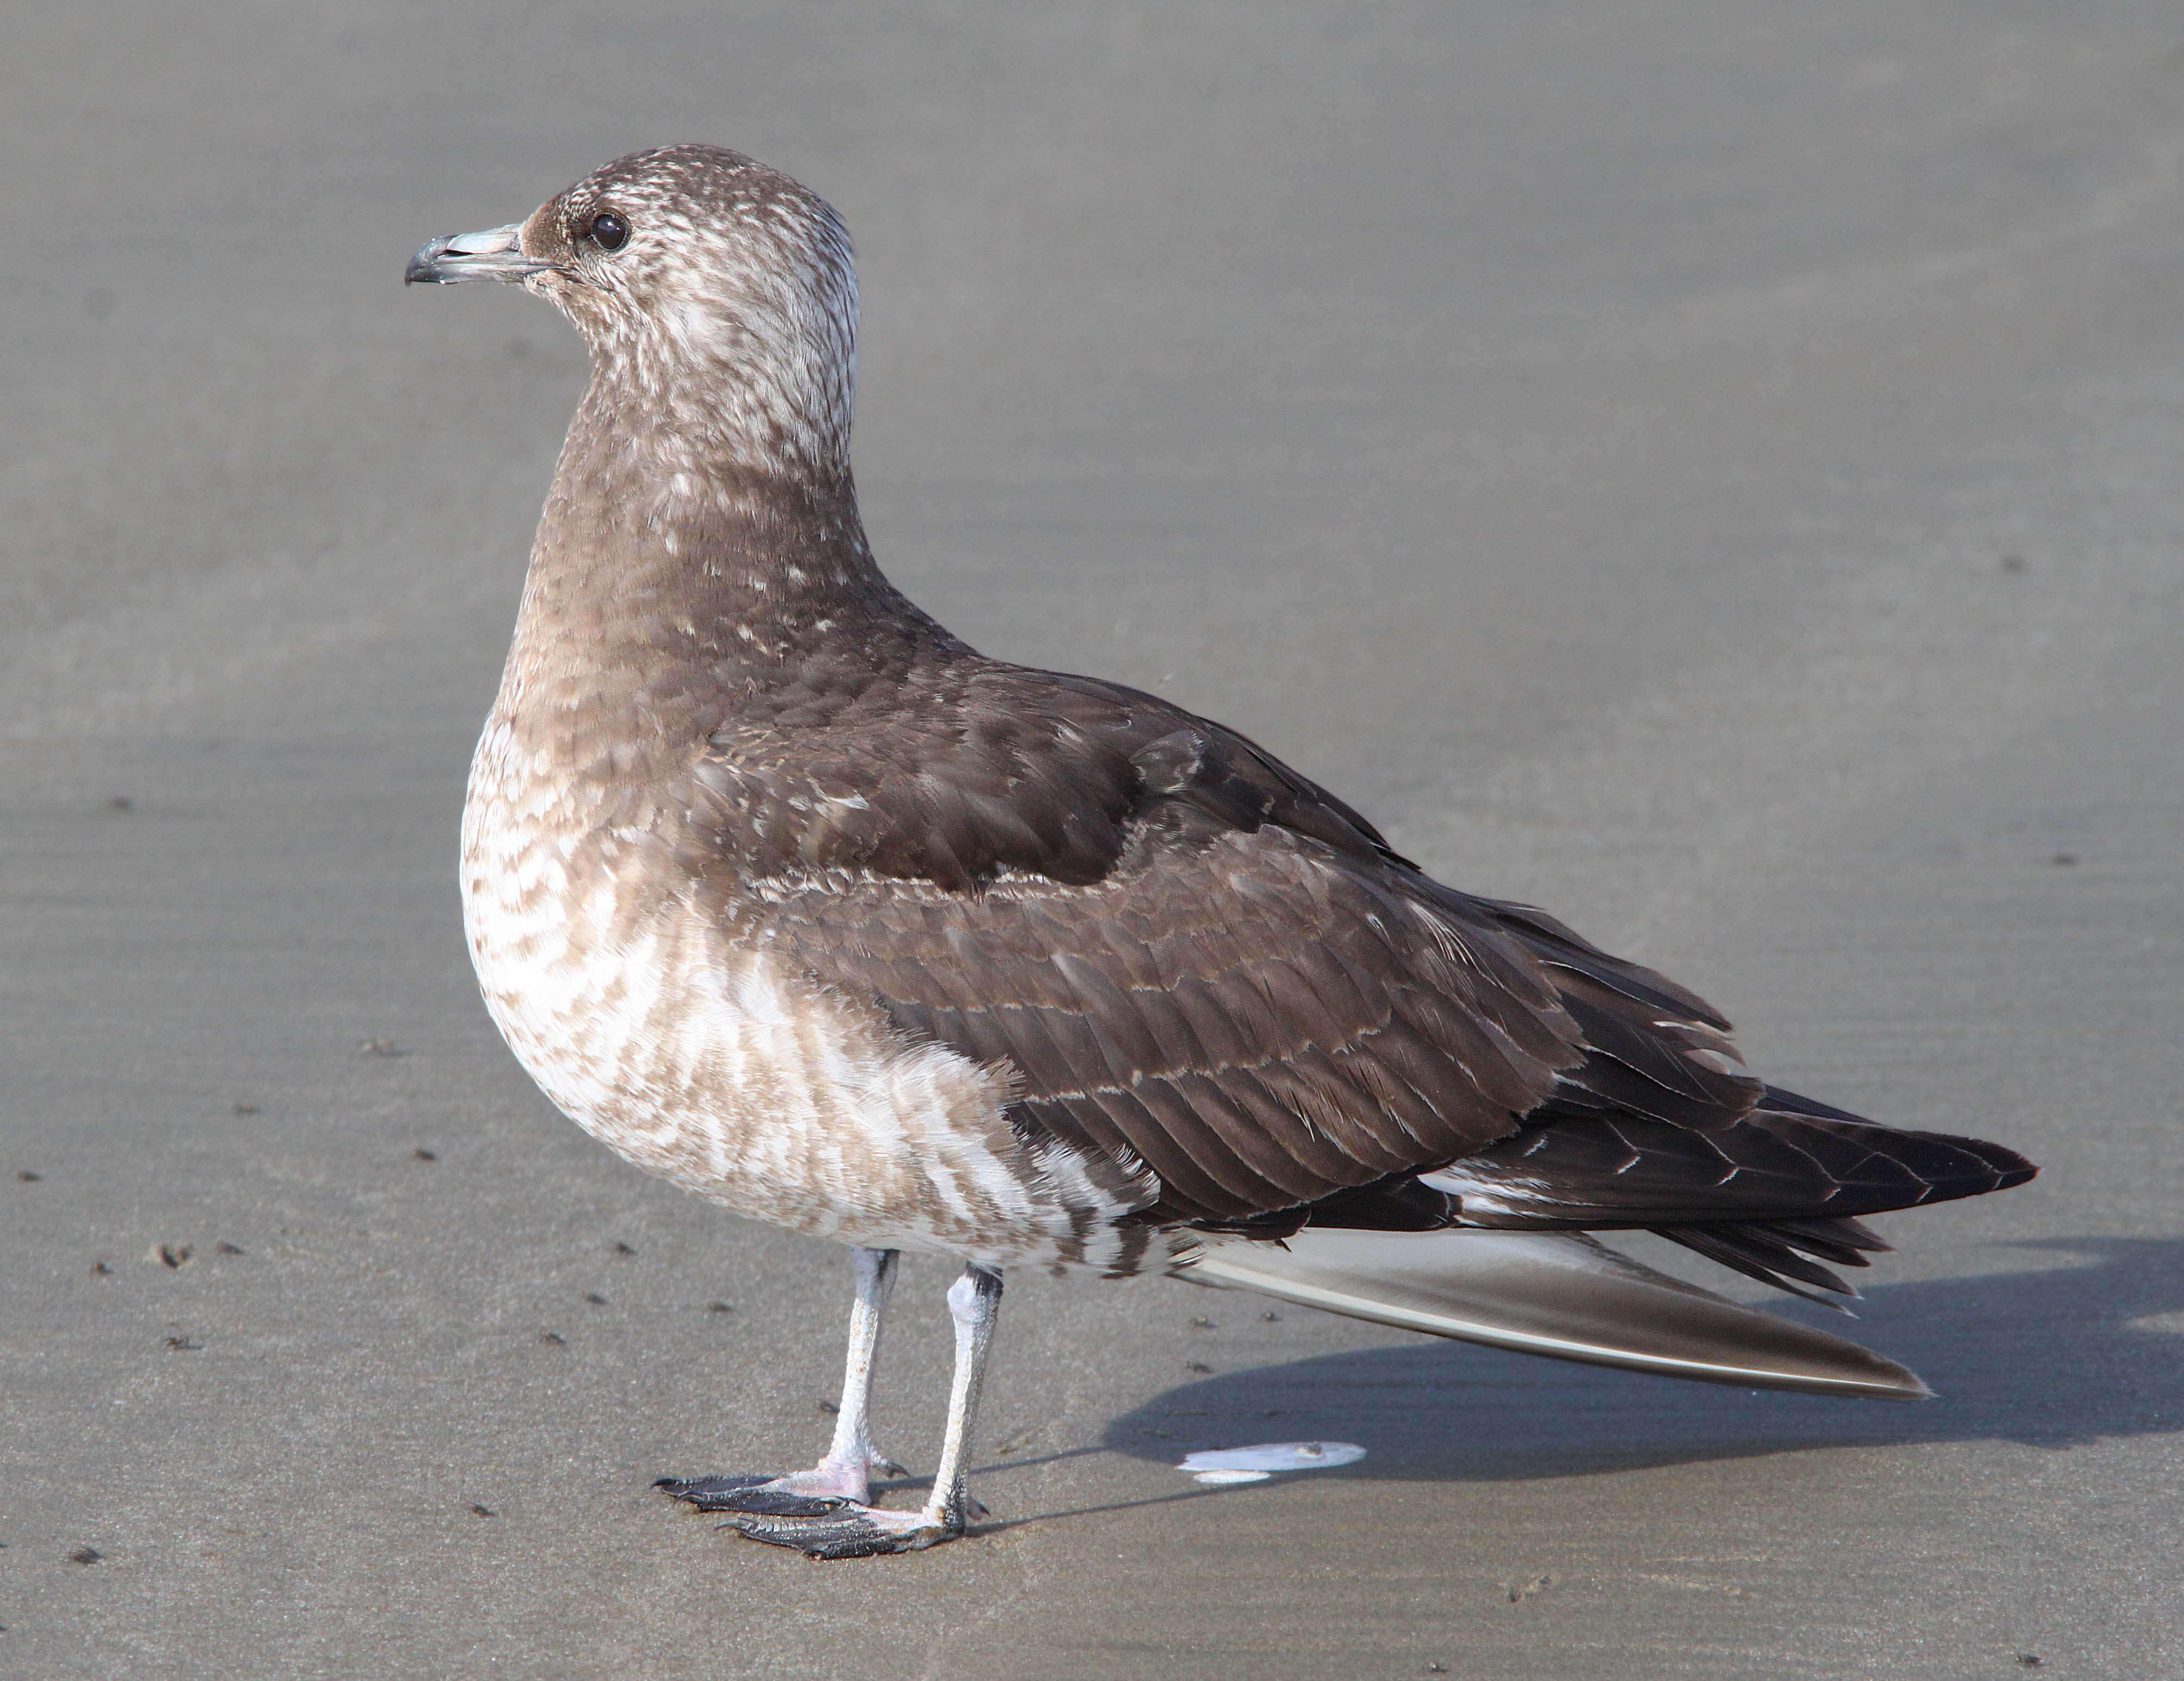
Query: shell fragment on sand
[1217,1467]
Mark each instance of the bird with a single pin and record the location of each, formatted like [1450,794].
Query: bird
[790,896]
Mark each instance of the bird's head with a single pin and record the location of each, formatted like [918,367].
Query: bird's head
[717,293]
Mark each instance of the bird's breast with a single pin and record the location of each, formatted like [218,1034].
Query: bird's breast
[649,1005]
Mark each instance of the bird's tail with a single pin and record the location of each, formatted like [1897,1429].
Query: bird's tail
[1558,1293]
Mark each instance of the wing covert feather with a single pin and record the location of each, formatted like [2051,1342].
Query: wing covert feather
[1181,951]
[1260,1021]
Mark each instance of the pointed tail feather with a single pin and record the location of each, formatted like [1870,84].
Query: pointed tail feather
[1557,1293]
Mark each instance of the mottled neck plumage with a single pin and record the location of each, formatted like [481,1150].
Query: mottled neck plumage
[700,558]
[666,578]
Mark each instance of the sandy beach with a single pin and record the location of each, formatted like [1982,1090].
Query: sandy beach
[1710,471]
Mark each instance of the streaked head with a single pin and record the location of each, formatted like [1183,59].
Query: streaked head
[719,293]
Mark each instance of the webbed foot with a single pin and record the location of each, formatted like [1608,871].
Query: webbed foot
[759,1494]
[848,1532]
[825,1488]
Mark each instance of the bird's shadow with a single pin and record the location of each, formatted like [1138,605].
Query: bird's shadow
[2051,1357]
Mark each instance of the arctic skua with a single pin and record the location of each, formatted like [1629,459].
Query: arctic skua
[790,896]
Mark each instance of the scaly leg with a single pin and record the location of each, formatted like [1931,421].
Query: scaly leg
[861,1531]
[844,1477]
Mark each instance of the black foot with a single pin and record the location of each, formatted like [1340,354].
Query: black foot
[854,1531]
[750,1494]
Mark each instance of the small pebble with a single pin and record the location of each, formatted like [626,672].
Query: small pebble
[1202,1323]
[595,1299]
[381,1047]
[225,1247]
[622,1249]
[1271,1316]
[101,1270]
[2063,858]
[830,1409]
[554,1337]
[424,1155]
[718,1307]
[27,1176]
[121,802]
[85,1555]
[182,1345]
[246,1109]
[1197,1366]
[483,1511]
[172,1256]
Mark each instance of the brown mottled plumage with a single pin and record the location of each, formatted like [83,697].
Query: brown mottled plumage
[789,896]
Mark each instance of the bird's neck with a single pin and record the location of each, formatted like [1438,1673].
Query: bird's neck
[667,575]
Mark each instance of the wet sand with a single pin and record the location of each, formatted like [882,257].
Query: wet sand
[1712,472]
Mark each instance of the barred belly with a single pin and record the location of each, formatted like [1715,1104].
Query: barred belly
[675,1037]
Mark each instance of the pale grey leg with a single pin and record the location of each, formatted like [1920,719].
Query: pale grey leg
[974,1301]
[860,1531]
[851,1454]
[844,1477]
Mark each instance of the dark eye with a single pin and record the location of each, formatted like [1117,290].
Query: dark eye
[609,232]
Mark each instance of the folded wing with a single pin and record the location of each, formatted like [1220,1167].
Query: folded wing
[1188,957]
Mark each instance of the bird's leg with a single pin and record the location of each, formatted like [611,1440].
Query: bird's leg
[851,1462]
[844,1477]
[860,1532]
[974,1302]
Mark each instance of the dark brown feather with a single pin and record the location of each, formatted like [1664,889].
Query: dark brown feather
[1189,956]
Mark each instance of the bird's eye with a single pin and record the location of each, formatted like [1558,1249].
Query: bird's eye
[607,231]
